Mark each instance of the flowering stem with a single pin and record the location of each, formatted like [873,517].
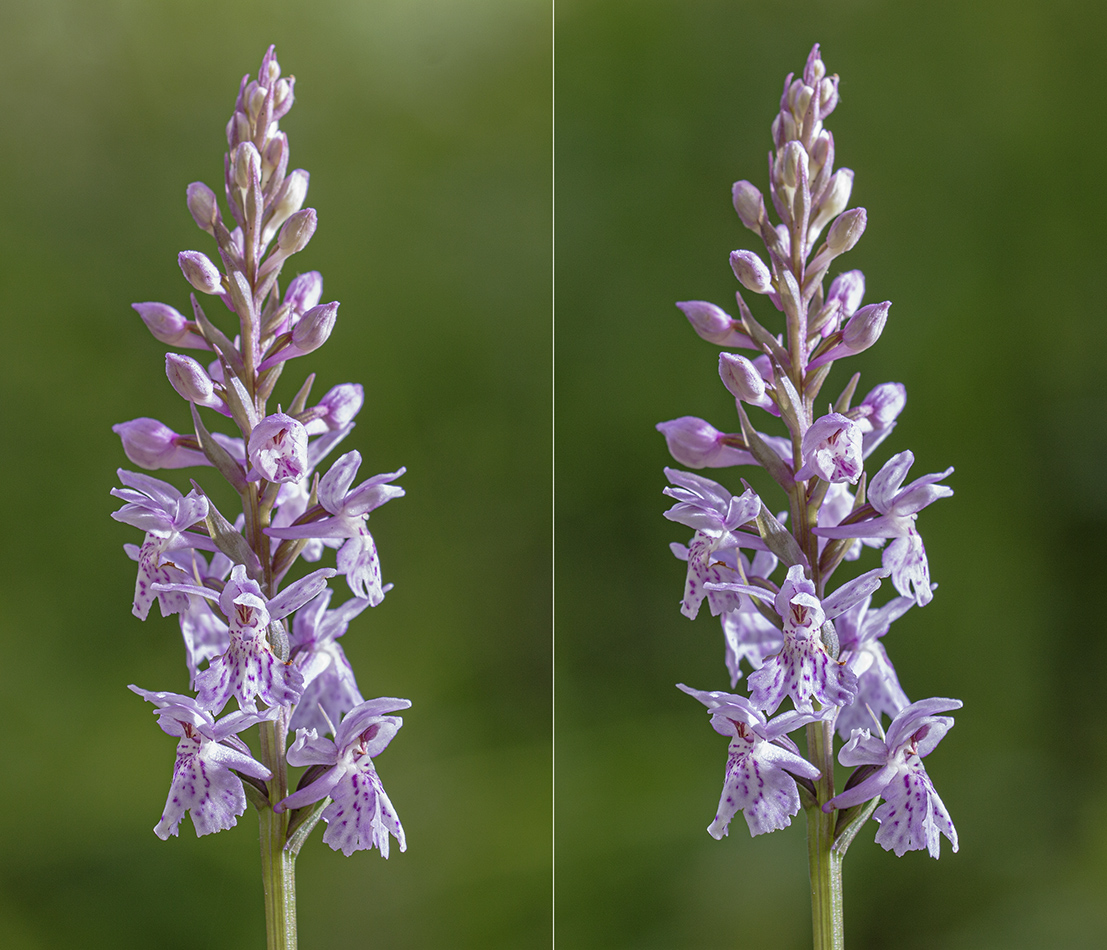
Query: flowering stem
[278,866]
[825,863]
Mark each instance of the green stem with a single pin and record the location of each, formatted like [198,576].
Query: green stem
[278,865]
[825,862]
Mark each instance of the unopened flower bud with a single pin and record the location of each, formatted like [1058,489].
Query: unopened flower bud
[152,445]
[189,379]
[834,201]
[828,96]
[255,99]
[272,69]
[310,333]
[793,164]
[749,204]
[802,101]
[788,99]
[865,326]
[884,403]
[238,129]
[842,299]
[741,377]
[290,199]
[246,165]
[303,292]
[337,409]
[283,97]
[848,288]
[861,332]
[275,155]
[751,272]
[297,231]
[169,326]
[714,324]
[200,272]
[822,149]
[783,240]
[202,206]
[315,327]
[782,129]
[277,450]
[281,94]
[813,69]
[846,231]
[699,444]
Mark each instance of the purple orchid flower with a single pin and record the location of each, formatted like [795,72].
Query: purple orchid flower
[344,515]
[803,670]
[842,300]
[278,449]
[330,689]
[876,414]
[335,410]
[747,633]
[832,450]
[303,293]
[164,514]
[878,691]
[897,509]
[203,781]
[912,816]
[716,515]
[205,635]
[248,669]
[837,505]
[761,763]
[293,497]
[715,567]
[360,815]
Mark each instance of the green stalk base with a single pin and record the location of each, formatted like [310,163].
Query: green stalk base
[825,862]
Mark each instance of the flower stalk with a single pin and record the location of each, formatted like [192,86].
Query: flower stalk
[824,860]
[790,627]
[278,862]
[250,633]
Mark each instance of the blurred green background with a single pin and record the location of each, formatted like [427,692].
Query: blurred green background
[976,133]
[426,127]
[976,130]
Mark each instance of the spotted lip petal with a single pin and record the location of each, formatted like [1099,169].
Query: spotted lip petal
[209,753]
[360,815]
[761,762]
[913,816]
[802,669]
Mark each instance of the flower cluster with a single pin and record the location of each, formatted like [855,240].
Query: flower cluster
[225,578]
[765,575]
